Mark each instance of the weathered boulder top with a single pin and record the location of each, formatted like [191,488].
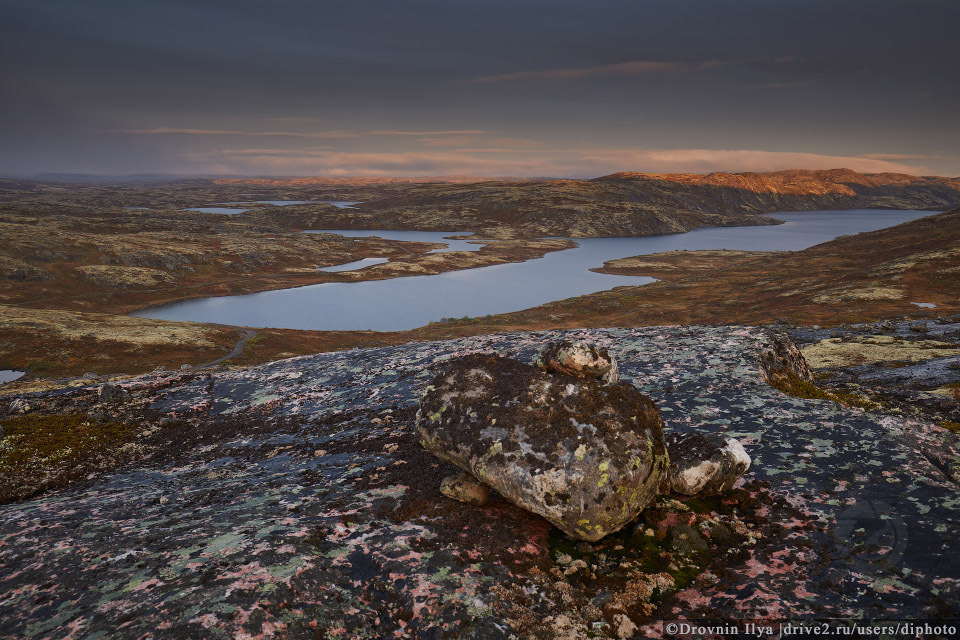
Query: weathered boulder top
[297,503]
[585,455]
[579,359]
[704,464]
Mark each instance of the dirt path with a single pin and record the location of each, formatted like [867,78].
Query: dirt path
[237,349]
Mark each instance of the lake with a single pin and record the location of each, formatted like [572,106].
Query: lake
[409,302]
[9,375]
[231,211]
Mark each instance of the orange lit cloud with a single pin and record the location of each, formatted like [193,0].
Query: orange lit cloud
[514,162]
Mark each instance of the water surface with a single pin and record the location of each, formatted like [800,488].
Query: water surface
[9,375]
[356,264]
[410,302]
[223,210]
[413,236]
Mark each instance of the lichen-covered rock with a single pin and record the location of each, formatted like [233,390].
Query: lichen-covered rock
[704,464]
[18,407]
[465,488]
[586,456]
[781,359]
[110,392]
[579,359]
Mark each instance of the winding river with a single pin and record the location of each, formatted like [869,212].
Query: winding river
[409,302]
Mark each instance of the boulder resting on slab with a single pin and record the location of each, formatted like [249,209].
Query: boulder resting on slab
[579,359]
[586,456]
[704,464]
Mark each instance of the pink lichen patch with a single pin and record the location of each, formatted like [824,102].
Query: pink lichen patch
[115,605]
[207,620]
[693,597]
[802,593]
[247,577]
[74,628]
[532,549]
[674,519]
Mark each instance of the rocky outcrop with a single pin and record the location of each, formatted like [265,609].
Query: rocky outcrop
[704,464]
[290,477]
[586,456]
[781,359]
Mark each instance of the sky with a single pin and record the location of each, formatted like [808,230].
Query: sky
[490,87]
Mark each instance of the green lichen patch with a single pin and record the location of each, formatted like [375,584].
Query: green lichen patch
[794,386]
[39,452]
[950,425]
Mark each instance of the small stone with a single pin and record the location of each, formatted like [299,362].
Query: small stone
[577,568]
[19,406]
[184,367]
[623,626]
[704,464]
[580,360]
[465,488]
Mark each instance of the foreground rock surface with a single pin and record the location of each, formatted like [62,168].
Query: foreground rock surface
[292,500]
[704,464]
[586,456]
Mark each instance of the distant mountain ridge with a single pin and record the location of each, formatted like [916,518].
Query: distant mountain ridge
[633,204]
[800,181]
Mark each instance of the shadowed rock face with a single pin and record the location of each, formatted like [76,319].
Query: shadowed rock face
[586,456]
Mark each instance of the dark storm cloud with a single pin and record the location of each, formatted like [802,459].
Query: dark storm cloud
[860,79]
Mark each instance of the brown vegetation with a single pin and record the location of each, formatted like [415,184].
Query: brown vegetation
[74,249]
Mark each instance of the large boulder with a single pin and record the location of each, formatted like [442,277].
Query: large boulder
[585,455]
[704,464]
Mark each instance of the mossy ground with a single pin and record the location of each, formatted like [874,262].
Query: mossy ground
[794,386]
[950,425]
[39,452]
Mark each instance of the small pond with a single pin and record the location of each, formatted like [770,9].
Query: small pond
[9,375]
